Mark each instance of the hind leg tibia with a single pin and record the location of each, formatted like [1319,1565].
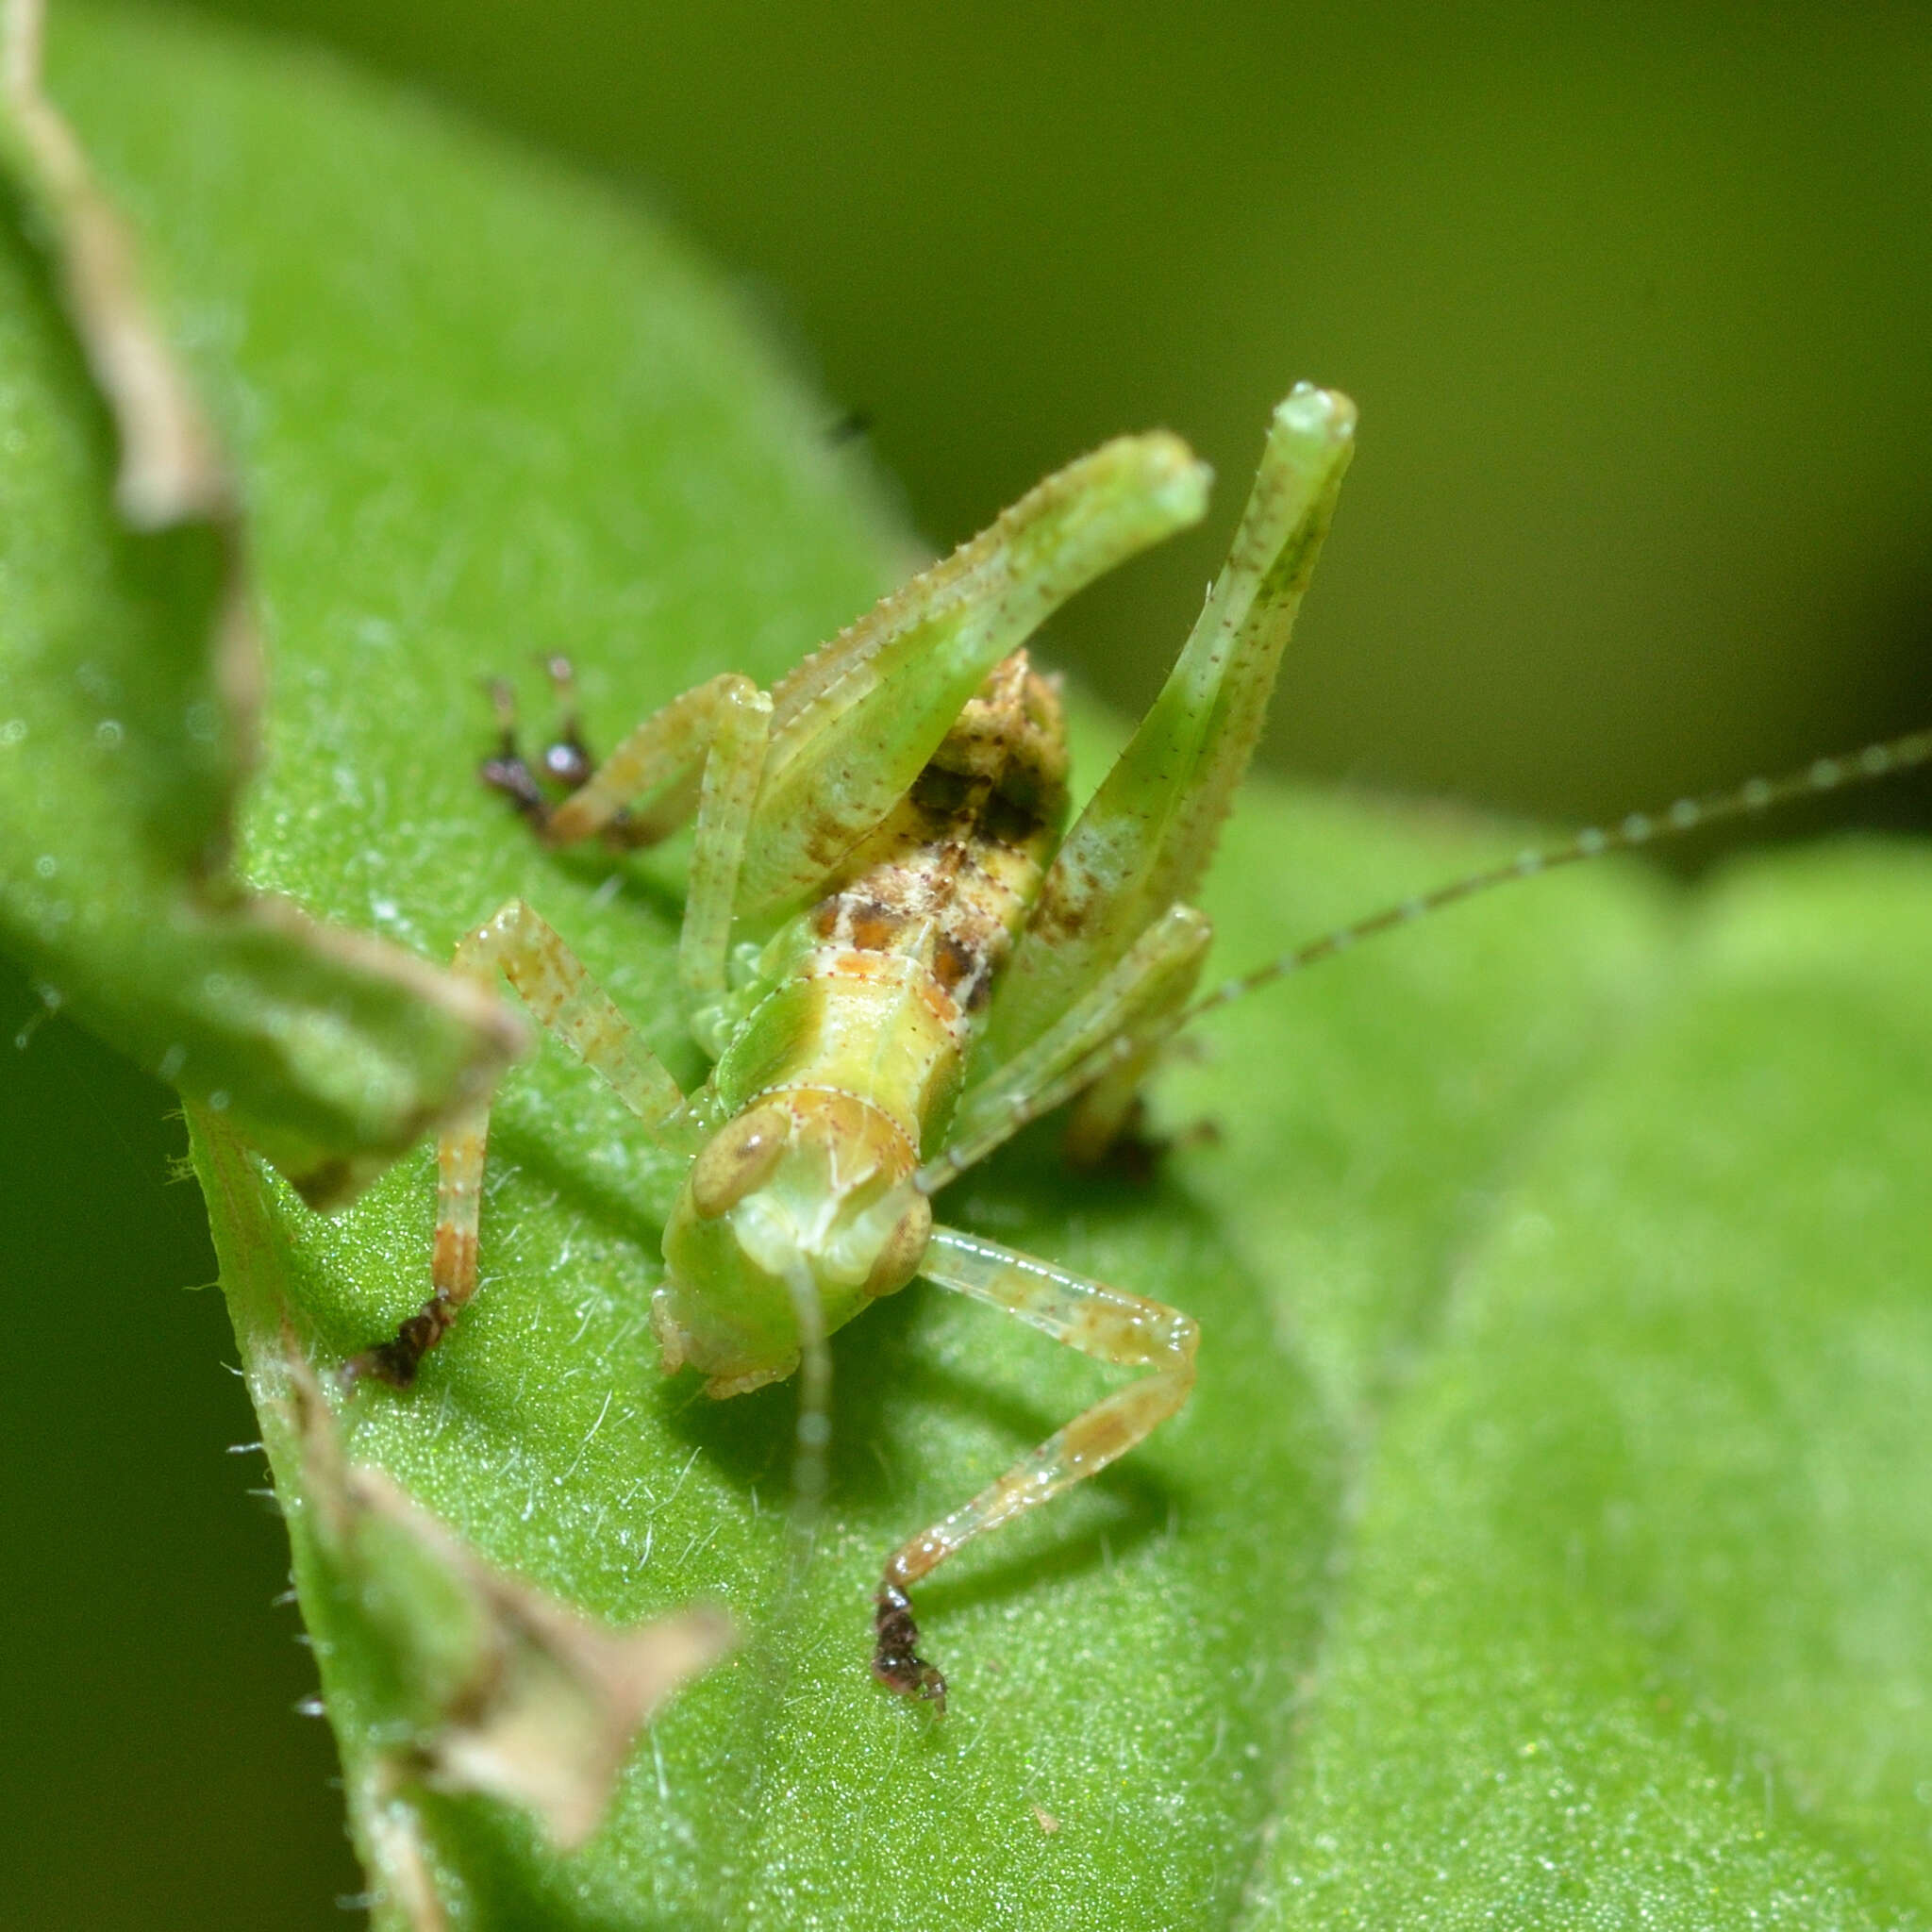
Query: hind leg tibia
[1109,1323]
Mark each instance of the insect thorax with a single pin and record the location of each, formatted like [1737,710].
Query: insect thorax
[846,1064]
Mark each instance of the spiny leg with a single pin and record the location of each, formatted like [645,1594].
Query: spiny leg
[855,724]
[741,730]
[850,730]
[1109,1323]
[569,1003]
[659,762]
[1107,1115]
[1143,842]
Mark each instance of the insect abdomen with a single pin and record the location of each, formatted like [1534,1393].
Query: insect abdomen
[882,982]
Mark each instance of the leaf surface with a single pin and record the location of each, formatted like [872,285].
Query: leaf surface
[1545,1542]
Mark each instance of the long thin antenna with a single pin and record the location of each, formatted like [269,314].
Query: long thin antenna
[780,1640]
[1641,828]
[808,1480]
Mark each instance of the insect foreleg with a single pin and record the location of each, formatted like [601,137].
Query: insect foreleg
[659,764]
[1140,997]
[1109,1323]
[741,728]
[569,1003]
[705,749]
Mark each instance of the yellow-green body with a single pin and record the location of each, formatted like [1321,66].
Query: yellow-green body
[941,965]
[845,1054]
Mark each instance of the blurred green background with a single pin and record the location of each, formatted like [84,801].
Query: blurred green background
[1635,309]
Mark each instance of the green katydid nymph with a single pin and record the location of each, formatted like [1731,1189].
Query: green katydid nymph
[895,958]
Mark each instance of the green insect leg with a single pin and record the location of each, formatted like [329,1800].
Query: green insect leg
[705,750]
[1109,1325]
[855,724]
[779,805]
[1107,1111]
[741,729]
[1144,841]
[569,1003]
[1105,1037]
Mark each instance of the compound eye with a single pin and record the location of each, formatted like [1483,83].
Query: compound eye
[904,1249]
[740,1158]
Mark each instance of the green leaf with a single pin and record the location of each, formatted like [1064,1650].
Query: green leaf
[1637,1625]
[129,675]
[1546,1541]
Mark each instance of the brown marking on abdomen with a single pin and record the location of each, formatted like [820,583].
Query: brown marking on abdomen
[954,962]
[875,926]
[944,884]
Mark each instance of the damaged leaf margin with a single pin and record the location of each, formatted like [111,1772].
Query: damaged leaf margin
[130,688]
[510,1692]
[470,1678]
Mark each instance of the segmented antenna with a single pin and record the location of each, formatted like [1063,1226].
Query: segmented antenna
[782,1639]
[1641,828]
[814,1406]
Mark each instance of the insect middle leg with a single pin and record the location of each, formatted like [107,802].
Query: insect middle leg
[1098,1050]
[569,1003]
[1109,1323]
